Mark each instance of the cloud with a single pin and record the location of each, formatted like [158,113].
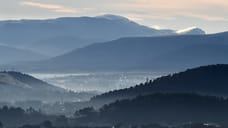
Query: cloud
[66,10]
[203,16]
[141,17]
[48,6]
[55,8]
[179,4]
[209,10]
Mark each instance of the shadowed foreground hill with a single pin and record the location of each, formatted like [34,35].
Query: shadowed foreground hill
[159,108]
[211,80]
[15,117]
[15,86]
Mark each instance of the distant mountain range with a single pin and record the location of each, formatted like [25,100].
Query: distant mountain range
[15,86]
[54,37]
[168,53]
[169,109]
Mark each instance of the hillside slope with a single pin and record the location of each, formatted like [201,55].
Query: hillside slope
[158,109]
[169,53]
[11,54]
[15,86]
[83,31]
[210,80]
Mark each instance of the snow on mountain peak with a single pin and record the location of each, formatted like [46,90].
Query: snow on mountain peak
[191,30]
[186,29]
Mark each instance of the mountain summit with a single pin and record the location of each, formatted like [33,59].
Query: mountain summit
[191,31]
[113,17]
[53,37]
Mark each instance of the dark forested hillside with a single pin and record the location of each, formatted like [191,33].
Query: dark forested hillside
[164,109]
[15,117]
[159,108]
[211,80]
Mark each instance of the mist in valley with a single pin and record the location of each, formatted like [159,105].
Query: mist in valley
[113,64]
[98,82]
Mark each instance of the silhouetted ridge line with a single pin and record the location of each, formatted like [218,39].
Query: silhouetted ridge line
[159,108]
[211,80]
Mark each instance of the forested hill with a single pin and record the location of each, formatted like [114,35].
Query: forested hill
[159,108]
[211,80]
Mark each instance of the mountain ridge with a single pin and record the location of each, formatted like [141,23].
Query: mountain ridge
[10,54]
[158,108]
[140,54]
[206,80]
[84,30]
[16,86]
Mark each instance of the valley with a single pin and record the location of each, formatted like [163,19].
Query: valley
[70,64]
[100,82]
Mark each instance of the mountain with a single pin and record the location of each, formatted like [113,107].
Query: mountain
[169,53]
[53,37]
[15,86]
[191,31]
[192,56]
[169,109]
[9,55]
[113,17]
[209,80]
[84,31]
[58,45]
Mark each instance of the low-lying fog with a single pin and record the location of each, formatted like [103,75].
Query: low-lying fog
[100,82]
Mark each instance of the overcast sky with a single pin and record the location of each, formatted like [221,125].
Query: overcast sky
[210,15]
